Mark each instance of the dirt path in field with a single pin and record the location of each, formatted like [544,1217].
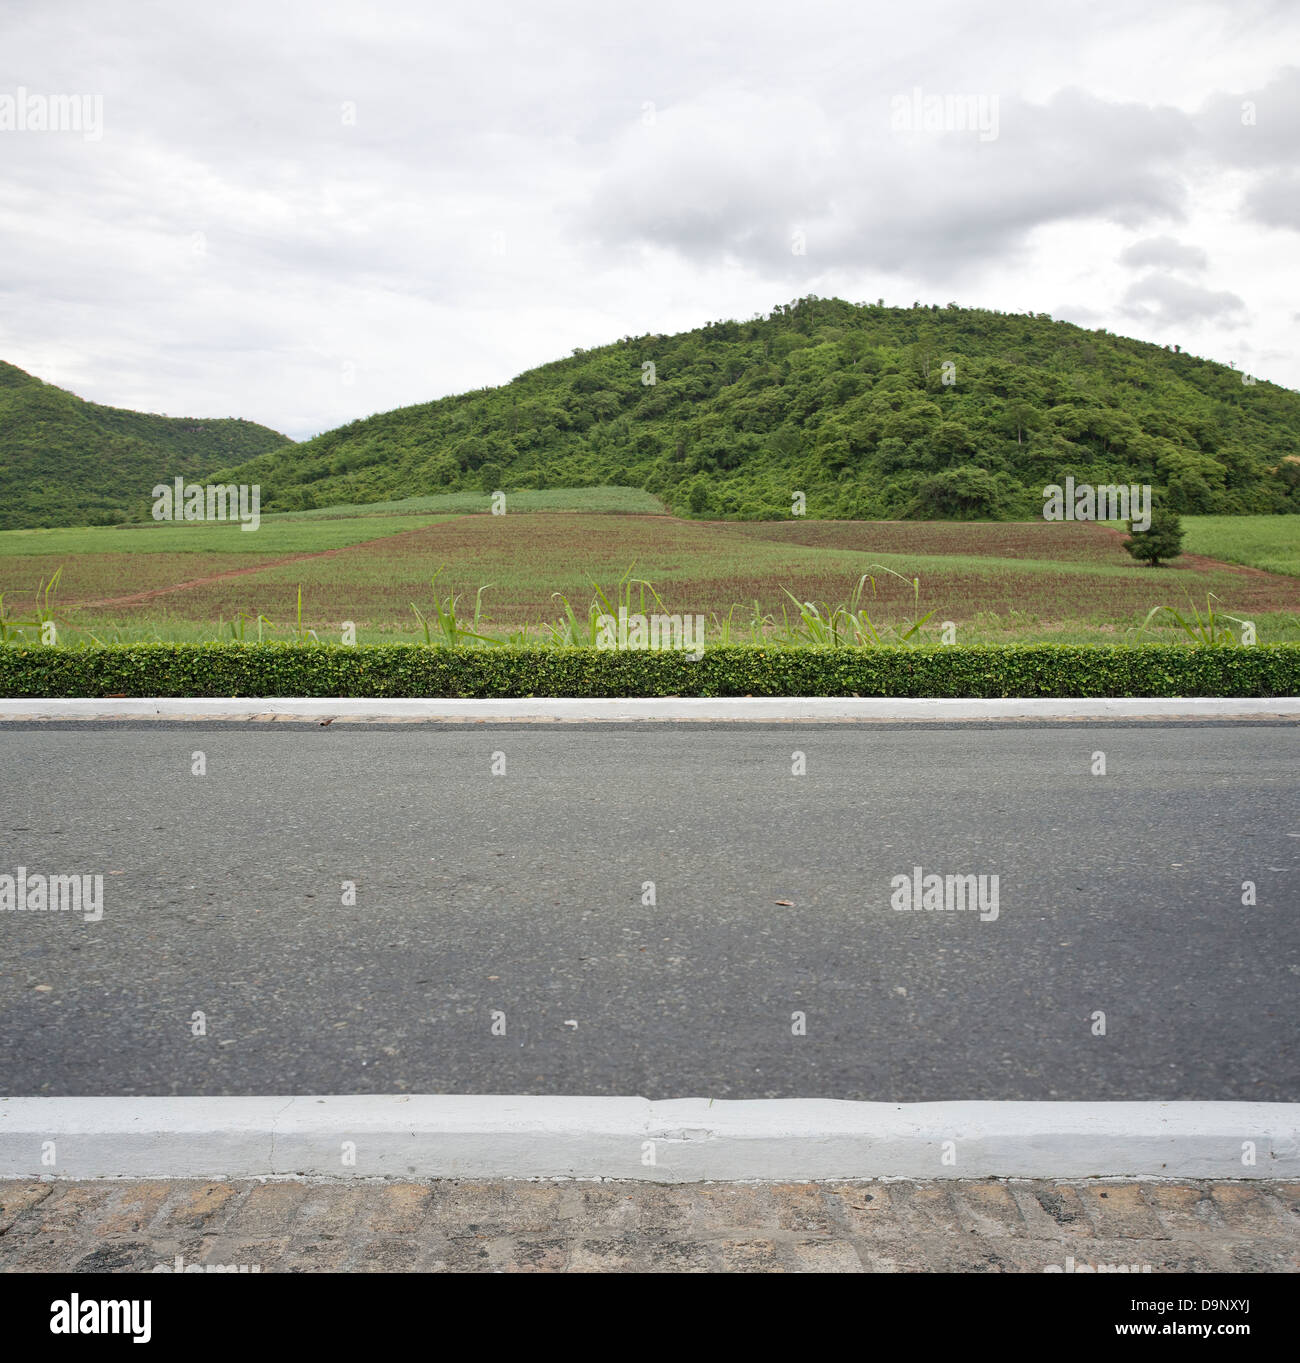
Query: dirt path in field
[245,572]
[1199,563]
[153,592]
[1195,562]
[203,581]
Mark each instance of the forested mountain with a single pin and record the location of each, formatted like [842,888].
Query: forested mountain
[871,411]
[64,461]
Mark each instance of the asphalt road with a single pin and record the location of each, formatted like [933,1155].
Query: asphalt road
[516,900]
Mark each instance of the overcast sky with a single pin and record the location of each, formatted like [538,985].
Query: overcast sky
[302,213]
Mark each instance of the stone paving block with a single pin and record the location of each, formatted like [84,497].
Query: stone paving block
[933,1253]
[397,1209]
[748,1256]
[464,1256]
[537,1208]
[615,1254]
[863,1210]
[68,1206]
[563,1226]
[800,1206]
[1051,1209]
[604,1207]
[666,1206]
[1183,1209]
[1243,1207]
[1120,1211]
[264,1252]
[198,1207]
[17,1198]
[529,1255]
[739,1206]
[312,1256]
[682,1256]
[134,1207]
[385,1256]
[119,1256]
[331,1210]
[495,1209]
[922,1207]
[1264,1256]
[820,1256]
[1161,1256]
[40,1253]
[268,1210]
[1288,1194]
[988,1208]
[1021,1254]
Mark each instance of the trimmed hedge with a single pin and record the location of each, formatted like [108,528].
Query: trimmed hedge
[227,670]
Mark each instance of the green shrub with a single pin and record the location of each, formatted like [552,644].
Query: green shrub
[393,670]
[1160,541]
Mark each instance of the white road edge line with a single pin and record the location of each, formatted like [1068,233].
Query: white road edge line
[750,709]
[677,1141]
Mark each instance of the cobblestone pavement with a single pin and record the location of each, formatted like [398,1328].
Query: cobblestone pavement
[458,1226]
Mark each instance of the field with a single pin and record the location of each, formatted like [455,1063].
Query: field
[1268,542]
[997,582]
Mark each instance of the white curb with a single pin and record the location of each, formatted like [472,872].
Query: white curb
[749,709]
[683,1140]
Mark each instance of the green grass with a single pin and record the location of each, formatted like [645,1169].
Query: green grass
[305,532]
[275,536]
[607,499]
[1268,542]
[519,575]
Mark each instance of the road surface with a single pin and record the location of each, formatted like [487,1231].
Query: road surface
[502,939]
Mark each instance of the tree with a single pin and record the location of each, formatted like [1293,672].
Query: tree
[964,493]
[832,449]
[924,354]
[951,441]
[1161,540]
[1019,416]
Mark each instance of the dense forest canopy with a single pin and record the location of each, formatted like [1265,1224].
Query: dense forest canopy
[871,411]
[64,461]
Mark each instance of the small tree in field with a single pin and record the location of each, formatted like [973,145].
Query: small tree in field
[1160,541]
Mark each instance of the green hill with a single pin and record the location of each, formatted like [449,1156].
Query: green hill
[849,404]
[64,461]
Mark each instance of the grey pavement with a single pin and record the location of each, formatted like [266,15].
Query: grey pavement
[518,901]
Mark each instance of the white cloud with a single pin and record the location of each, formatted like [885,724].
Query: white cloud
[235,245]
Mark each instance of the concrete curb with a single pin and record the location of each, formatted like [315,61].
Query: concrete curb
[748,709]
[689,1140]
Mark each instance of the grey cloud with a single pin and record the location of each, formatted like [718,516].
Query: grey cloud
[1253,128]
[1275,200]
[1255,132]
[1165,253]
[1167,301]
[733,175]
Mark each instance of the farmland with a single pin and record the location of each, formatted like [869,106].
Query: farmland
[1268,542]
[997,581]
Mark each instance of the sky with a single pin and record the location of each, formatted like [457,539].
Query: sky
[307,213]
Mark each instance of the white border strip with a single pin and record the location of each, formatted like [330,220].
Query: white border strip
[689,1140]
[751,709]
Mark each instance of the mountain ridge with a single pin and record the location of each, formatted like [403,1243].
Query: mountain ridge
[872,412]
[67,461]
